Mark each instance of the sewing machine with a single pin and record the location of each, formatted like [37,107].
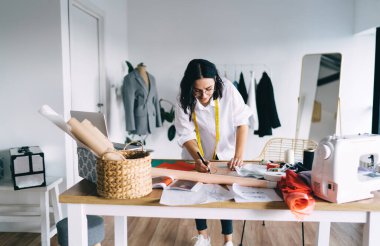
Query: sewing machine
[346,168]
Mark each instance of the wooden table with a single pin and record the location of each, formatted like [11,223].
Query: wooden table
[81,199]
[26,213]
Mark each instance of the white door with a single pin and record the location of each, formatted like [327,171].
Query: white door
[87,80]
[86,63]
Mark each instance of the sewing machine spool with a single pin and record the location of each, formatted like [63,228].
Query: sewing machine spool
[289,156]
[308,157]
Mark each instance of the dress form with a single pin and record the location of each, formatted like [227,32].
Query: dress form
[141,69]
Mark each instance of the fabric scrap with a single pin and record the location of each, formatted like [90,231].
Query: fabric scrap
[178,165]
[297,195]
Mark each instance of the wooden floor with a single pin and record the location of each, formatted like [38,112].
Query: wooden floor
[179,232]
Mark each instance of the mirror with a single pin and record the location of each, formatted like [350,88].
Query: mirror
[318,101]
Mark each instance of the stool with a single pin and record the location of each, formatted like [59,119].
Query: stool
[95,225]
[48,203]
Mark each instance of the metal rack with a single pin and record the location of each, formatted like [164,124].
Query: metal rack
[275,148]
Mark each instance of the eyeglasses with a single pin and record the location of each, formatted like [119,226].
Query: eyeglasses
[208,91]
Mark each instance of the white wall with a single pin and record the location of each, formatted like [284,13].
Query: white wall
[115,55]
[33,68]
[31,75]
[366,15]
[274,32]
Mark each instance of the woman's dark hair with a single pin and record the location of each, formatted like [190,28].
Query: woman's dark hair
[198,69]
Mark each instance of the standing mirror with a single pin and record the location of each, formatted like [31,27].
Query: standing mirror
[318,102]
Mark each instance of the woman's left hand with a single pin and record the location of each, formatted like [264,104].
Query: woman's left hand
[235,162]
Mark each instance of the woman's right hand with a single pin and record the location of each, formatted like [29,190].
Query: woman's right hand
[200,167]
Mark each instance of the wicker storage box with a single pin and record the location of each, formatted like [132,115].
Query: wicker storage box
[127,179]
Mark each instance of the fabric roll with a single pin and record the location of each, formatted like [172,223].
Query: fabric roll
[178,165]
[297,195]
[212,178]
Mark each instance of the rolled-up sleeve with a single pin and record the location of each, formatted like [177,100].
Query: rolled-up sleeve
[185,129]
[241,111]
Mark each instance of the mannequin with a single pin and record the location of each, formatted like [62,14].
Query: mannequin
[141,69]
[141,105]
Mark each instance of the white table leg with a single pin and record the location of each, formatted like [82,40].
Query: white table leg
[77,225]
[45,222]
[371,236]
[323,234]
[56,205]
[121,230]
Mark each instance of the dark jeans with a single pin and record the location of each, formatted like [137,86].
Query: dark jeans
[226,225]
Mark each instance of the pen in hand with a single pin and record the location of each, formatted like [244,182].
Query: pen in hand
[203,161]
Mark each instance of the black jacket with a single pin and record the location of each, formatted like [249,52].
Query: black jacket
[266,107]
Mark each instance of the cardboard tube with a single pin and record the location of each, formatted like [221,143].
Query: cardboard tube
[96,133]
[86,137]
[212,178]
[98,147]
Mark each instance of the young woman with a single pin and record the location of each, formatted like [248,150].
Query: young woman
[212,120]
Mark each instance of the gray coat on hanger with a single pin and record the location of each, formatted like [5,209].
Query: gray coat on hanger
[141,104]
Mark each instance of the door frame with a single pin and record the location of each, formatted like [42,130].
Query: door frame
[71,156]
[376,87]
[98,14]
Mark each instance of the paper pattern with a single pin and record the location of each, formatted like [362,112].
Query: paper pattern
[252,194]
[207,194]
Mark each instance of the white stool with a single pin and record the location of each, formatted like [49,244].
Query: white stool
[16,212]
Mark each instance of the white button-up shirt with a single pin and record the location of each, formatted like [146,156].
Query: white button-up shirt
[233,112]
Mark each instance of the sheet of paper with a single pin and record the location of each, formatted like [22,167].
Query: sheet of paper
[207,194]
[251,194]
[57,119]
[216,193]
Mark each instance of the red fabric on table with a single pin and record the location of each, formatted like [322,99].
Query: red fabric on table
[297,194]
[178,165]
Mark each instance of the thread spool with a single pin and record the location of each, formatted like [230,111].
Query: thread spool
[308,157]
[289,156]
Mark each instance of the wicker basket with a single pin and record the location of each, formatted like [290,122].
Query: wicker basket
[127,179]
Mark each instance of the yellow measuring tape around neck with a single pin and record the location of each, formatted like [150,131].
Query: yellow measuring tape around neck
[217,134]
